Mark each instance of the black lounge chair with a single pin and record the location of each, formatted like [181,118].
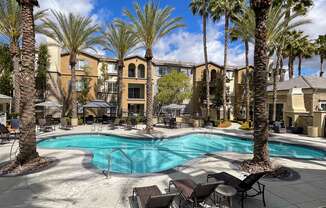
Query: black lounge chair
[89,120]
[115,123]
[64,124]
[44,126]
[5,134]
[193,192]
[152,197]
[243,186]
[105,119]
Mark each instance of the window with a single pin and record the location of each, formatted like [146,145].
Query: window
[112,87]
[82,64]
[112,69]
[136,91]
[80,85]
[322,105]
[162,70]
[213,75]
[141,71]
[136,109]
[132,70]
[186,71]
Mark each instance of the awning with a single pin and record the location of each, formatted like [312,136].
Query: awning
[5,99]
[98,104]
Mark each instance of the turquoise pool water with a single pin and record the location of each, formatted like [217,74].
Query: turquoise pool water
[150,156]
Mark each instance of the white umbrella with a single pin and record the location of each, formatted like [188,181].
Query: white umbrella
[49,104]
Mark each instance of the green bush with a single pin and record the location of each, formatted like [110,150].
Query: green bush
[246,126]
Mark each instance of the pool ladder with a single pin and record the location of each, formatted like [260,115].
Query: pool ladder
[108,175]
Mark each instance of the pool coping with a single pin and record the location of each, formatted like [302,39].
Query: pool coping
[88,156]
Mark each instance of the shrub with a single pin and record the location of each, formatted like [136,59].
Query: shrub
[246,126]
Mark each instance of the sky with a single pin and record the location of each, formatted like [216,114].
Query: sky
[186,44]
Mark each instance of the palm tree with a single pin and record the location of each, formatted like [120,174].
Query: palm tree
[304,49]
[201,7]
[73,33]
[27,140]
[228,9]
[244,24]
[320,44]
[120,41]
[11,29]
[149,25]
[261,154]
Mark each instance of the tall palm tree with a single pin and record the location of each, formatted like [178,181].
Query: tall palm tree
[244,25]
[150,24]
[227,8]
[11,29]
[120,41]
[304,49]
[27,140]
[320,44]
[292,40]
[201,7]
[73,33]
[261,154]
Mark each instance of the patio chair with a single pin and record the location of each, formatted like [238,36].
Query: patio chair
[64,124]
[44,127]
[15,123]
[105,119]
[152,197]
[193,192]
[243,186]
[89,120]
[115,123]
[5,134]
[173,123]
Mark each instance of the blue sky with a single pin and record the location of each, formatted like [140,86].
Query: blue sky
[186,44]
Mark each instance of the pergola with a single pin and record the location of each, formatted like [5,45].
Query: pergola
[96,104]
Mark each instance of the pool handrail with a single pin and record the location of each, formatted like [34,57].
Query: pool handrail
[110,159]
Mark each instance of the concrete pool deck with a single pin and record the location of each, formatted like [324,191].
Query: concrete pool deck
[71,184]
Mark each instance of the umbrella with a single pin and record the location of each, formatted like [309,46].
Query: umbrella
[97,104]
[174,108]
[49,104]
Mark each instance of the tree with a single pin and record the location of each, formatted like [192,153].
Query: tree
[11,29]
[101,88]
[73,33]
[320,44]
[149,25]
[43,64]
[201,7]
[228,9]
[83,94]
[261,154]
[244,24]
[173,88]
[6,69]
[304,49]
[27,139]
[120,41]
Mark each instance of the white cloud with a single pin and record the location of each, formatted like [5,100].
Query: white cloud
[82,7]
[318,23]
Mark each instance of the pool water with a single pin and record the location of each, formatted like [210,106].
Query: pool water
[151,156]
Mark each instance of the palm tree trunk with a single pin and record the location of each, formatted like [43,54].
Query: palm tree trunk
[321,73]
[14,53]
[261,154]
[281,72]
[275,82]
[72,62]
[299,65]
[247,81]
[206,65]
[120,74]
[149,92]
[27,140]
[226,32]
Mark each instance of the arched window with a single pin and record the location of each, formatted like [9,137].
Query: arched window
[141,71]
[213,75]
[131,70]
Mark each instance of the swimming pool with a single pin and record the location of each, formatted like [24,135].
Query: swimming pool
[152,156]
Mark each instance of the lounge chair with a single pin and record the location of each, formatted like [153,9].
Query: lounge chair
[152,197]
[115,124]
[105,119]
[5,134]
[44,127]
[243,186]
[89,120]
[64,124]
[193,192]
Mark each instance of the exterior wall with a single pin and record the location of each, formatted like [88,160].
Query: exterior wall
[133,80]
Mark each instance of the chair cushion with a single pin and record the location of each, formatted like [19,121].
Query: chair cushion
[144,194]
